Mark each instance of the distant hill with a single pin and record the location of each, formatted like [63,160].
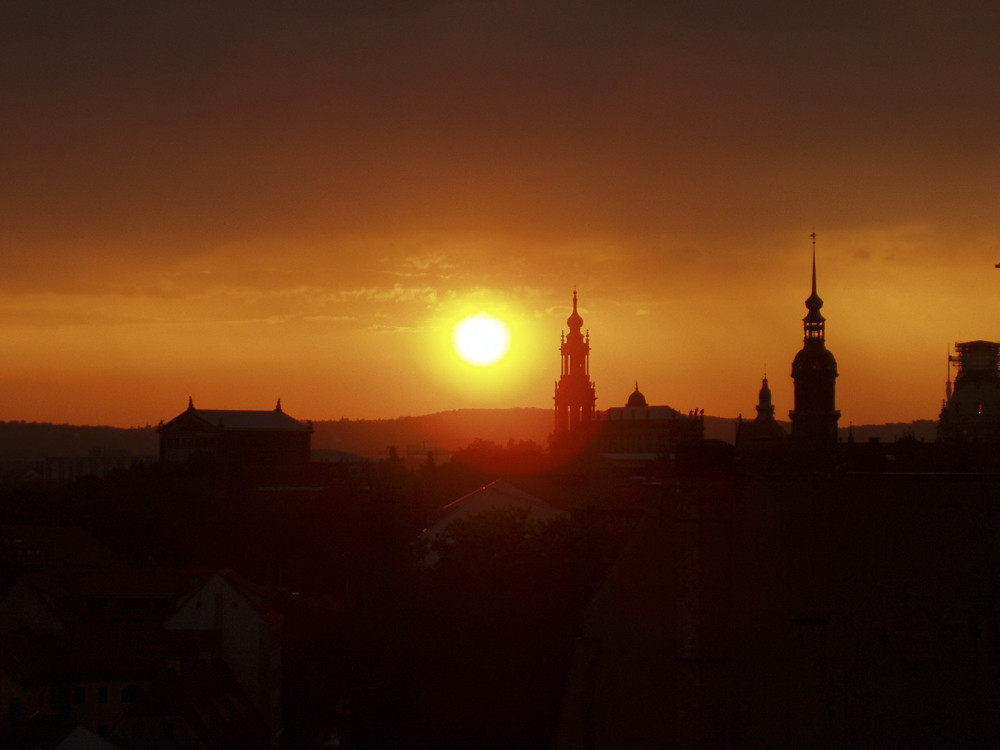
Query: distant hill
[32,441]
[443,432]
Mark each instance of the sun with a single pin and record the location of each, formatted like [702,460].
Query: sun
[481,339]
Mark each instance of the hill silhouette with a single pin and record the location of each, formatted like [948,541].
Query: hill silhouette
[33,441]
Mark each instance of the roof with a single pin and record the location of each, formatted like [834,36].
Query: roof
[82,738]
[241,419]
[660,413]
[496,495]
[250,420]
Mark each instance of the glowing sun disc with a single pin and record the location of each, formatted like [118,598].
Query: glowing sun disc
[481,339]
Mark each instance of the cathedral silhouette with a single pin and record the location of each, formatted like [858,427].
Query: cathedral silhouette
[638,432]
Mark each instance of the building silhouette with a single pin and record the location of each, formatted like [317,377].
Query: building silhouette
[764,428]
[971,410]
[640,430]
[243,437]
[814,370]
[574,392]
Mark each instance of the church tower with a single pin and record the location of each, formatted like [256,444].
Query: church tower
[814,370]
[574,396]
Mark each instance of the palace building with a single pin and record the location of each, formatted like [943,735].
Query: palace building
[637,430]
[236,436]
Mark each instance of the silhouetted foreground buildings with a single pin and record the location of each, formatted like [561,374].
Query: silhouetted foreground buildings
[796,591]
[798,611]
[971,410]
[147,657]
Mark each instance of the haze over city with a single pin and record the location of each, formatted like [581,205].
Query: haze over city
[244,201]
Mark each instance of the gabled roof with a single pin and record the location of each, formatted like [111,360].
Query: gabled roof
[496,495]
[240,419]
[82,738]
[251,593]
[230,419]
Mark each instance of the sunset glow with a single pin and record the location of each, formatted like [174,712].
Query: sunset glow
[300,201]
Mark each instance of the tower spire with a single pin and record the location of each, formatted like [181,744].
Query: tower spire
[814,370]
[813,235]
[813,322]
[574,395]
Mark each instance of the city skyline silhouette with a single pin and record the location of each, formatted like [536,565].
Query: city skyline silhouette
[301,202]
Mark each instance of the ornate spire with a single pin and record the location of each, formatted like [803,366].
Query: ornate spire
[574,321]
[813,322]
[814,303]
[765,409]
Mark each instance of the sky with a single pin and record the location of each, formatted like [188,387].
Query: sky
[241,201]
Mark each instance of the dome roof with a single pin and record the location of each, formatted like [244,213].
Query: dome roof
[764,396]
[574,321]
[636,399]
[814,357]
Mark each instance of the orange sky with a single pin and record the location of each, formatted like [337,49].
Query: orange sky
[238,201]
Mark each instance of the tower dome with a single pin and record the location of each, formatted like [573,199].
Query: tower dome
[764,398]
[814,371]
[636,400]
[574,321]
[574,395]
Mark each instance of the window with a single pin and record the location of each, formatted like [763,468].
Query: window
[102,695]
[131,693]
[79,694]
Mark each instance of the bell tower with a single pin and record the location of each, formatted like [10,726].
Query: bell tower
[575,396]
[814,370]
